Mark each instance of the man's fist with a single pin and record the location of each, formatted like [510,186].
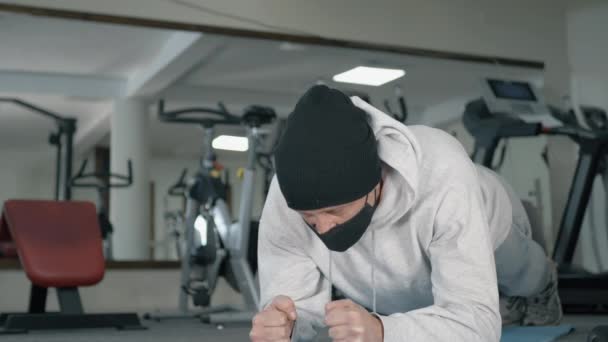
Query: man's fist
[275,322]
[350,322]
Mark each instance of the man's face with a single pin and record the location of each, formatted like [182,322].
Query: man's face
[323,220]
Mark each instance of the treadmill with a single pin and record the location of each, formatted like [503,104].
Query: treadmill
[506,110]
[515,109]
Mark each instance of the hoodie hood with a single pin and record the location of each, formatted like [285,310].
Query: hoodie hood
[399,151]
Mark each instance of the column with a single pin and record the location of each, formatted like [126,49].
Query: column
[130,207]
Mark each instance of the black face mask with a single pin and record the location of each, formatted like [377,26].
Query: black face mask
[343,236]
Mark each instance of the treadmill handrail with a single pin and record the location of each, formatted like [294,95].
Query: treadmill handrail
[575,133]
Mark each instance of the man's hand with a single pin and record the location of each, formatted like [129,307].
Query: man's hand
[350,322]
[275,322]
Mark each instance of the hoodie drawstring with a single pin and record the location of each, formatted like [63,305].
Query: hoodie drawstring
[374,271]
[330,278]
[331,281]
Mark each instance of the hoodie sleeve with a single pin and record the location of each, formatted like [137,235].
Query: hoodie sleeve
[463,274]
[284,269]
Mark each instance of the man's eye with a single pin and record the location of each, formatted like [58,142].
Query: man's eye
[336,212]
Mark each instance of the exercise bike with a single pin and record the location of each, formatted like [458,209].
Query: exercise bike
[173,219]
[215,246]
[103,182]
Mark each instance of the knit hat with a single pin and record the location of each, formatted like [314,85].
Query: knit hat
[327,154]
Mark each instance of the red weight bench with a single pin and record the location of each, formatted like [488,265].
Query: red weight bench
[59,245]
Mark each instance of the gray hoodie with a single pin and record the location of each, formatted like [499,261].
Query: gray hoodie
[426,262]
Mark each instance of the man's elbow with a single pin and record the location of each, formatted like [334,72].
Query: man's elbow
[488,323]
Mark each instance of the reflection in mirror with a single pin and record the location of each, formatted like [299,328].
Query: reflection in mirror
[110,78]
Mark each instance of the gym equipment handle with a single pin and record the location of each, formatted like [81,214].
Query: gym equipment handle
[179,188]
[208,117]
[574,132]
[520,129]
[402,117]
[126,180]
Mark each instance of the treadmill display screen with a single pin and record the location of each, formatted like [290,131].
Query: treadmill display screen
[512,90]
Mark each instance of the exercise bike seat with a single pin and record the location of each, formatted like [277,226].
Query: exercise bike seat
[257,116]
[598,334]
[58,242]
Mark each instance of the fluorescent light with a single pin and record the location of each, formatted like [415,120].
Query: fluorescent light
[231,143]
[369,76]
[200,224]
[289,46]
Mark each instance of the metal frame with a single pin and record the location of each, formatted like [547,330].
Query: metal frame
[581,291]
[70,316]
[23,323]
[63,140]
[591,150]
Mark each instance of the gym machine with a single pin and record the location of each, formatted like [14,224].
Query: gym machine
[516,109]
[174,219]
[103,182]
[74,258]
[505,111]
[214,245]
[63,140]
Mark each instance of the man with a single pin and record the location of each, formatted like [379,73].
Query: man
[402,223]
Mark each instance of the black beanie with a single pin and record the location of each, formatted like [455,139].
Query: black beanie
[327,154]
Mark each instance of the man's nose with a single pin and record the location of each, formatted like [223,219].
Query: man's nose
[324,224]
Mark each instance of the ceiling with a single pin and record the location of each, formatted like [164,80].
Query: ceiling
[79,68]
[73,47]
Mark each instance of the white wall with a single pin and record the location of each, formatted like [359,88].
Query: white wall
[30,174]
[519,28]
[26,174]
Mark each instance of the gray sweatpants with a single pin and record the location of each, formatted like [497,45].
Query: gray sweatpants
[522,266]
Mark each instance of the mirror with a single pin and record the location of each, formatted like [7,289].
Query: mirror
[110,78]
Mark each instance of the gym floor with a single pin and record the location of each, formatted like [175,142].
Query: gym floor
[192,330]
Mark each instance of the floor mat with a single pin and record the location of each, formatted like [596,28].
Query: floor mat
[534,334]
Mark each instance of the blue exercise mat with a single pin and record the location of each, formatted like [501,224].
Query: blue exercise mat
[534,334]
